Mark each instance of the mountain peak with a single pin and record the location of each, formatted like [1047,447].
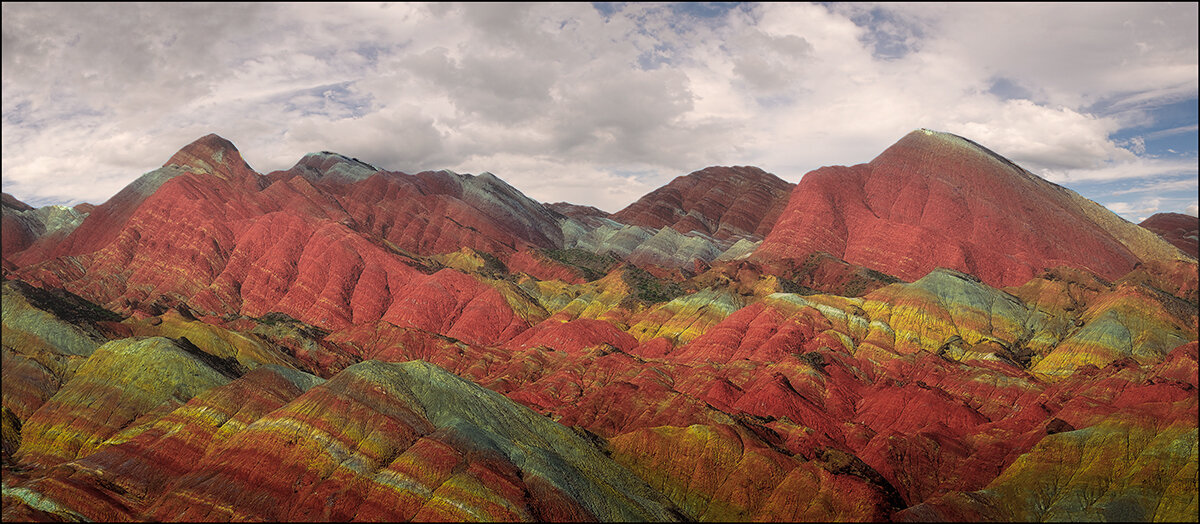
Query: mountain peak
[1179,229]
[211,154]
[927,145]
[327,165]
[720,201]
[12,202]
[938,199]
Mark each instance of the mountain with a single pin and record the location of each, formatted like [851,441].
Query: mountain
[717,201]
[210,155]
[23,226]
[337,341]
[1182,231]
[330,254]
[18,234]
[576,211]
[938,200]
[718,213]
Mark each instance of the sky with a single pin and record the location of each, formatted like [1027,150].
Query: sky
[599,104]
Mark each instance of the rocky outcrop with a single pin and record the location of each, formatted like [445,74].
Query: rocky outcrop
[328,166]
[663,247]
[729,474]
[47,335]
[1136,462]
[122,478]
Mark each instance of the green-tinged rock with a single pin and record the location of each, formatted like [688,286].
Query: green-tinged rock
[238,349]
[724,473]
[930,312]
[401,441]
[530,441]
[122,381]
[684,318]
[648,288]
[1123,469]
[138,464]
[29,329]
[46,335]
[11,432]
[1129,322]
[592,266]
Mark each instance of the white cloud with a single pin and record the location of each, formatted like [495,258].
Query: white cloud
[1073,55]
[1139,209]
[566,103]
[1132,168]
[1188,185]
[1135,212]
[1173,131]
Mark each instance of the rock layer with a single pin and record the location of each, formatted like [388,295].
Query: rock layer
[1182,231]
[339,342]
[720,202]
[936,199]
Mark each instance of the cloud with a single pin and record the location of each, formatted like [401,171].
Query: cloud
[1138,209]
[591,105]
[1189,185]
[1150,194]
[1173,131]
[1070,54]
[1135,212]
[1131,169]
[396,135]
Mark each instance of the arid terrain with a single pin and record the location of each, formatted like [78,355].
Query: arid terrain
[936,334]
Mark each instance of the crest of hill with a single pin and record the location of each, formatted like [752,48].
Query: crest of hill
[935,199]
[12,202]
[188,232]
[23,225]
[1182,231]
[210,154]
[487,195]
[577,211]
[721,202]
[327,165]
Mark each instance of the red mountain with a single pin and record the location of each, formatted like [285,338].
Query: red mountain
[720,202]
[25,227]
[208,231]
[576,211]
[216,344]
[434,211]
[209,155]
[16,235]
[938,200]
[1182,231]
